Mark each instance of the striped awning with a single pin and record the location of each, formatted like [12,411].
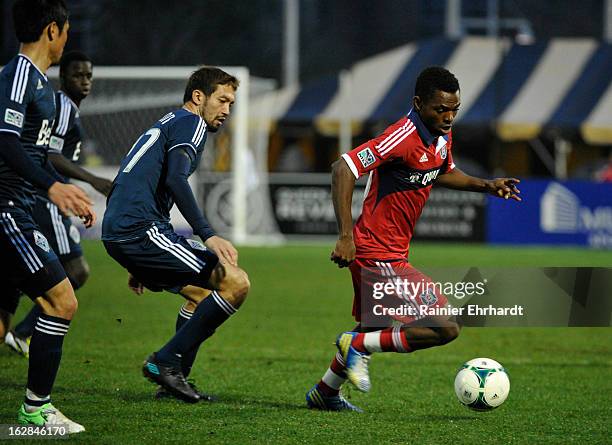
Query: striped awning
[520,90]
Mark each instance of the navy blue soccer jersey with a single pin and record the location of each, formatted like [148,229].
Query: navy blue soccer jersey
[67,133]
[27,109]
[139,196]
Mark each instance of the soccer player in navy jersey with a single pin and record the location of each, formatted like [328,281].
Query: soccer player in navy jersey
[76,74]
[27,110]
[403,163]
[137,233]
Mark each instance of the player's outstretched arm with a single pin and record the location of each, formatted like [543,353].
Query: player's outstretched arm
[72,170]
[343,184]
[499,187]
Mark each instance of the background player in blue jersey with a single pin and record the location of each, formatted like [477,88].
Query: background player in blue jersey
[27,110]
[137,232]
[76,74]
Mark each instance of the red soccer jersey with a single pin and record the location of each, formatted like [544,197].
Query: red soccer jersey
[403,163]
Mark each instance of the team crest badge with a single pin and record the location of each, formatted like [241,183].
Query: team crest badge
[443,152]
[75,234]
[195,244]
[429,298]
[366,157]
[41,241]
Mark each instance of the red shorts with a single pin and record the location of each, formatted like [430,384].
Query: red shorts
[392,289]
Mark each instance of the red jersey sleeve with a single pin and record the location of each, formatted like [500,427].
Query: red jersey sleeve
[377,151]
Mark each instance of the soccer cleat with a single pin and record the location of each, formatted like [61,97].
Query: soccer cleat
[316,400]
[171,379]
[50,416]
[18,344]
[163,394]
[356,362]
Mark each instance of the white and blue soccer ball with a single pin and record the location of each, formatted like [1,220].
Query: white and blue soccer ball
[482,384]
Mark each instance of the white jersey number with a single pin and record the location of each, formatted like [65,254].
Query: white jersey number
[144,142]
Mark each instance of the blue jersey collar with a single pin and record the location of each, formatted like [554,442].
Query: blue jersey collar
[424,133]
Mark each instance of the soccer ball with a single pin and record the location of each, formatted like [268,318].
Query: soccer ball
[482,384]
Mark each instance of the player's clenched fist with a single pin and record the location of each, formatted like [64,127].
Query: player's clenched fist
[71,200]
[344,253]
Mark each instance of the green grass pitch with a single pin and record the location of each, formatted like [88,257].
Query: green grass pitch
[263,360]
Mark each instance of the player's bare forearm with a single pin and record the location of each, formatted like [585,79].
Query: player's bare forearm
[343,184]
[499,187]
[68,168]
[457,180]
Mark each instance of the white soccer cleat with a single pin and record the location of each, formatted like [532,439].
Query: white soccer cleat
[48,415]
[18,344]
[357,363]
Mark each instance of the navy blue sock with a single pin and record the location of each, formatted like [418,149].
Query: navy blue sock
[208,316]
[188,358]
[25,328]
[45,355]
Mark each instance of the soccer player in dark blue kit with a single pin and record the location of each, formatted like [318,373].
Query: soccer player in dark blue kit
[137,232]
[76,74]
[27,110]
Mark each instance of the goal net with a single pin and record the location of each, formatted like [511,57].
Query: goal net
[231,183]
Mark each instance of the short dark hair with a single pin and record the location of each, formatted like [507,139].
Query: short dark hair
[30,17]
[69,57]
[206,80]
[435,78]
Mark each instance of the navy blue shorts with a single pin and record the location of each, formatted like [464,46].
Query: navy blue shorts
[29,264]
[63,236]
[163,260]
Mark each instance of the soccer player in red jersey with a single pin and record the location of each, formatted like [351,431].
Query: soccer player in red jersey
[403,163]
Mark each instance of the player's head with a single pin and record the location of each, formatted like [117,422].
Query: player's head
[76,74]
[213,91]
[42,20]
[437,99]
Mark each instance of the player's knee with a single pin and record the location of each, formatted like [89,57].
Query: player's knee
[238,284]
[66,306]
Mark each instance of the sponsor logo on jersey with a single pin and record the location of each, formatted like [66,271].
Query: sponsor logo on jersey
[366,157]
[424,158]
[195,244]
[423,178]
[13,117]
[56,143]
[41,241]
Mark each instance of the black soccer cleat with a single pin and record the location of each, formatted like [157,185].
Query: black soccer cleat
[162,393]
[171,379]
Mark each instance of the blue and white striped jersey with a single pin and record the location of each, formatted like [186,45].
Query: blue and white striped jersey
[27,109]
[67,133]
[139,196]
